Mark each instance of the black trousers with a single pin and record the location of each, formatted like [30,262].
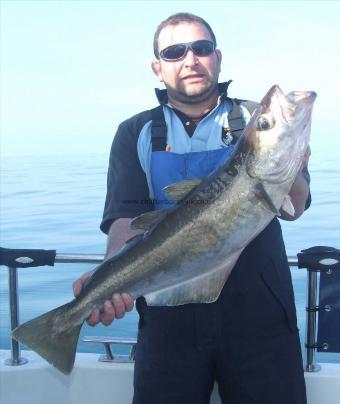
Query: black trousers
[247,340]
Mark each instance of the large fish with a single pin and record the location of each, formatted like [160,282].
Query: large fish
[187,252]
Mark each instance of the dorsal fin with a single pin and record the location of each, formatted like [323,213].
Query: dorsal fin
[180,190]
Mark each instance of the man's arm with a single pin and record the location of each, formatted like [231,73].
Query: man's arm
[119,304]
[119,233]
[126,187]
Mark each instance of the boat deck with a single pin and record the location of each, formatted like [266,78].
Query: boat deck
[91,381]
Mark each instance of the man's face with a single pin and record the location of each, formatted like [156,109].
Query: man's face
[193,78]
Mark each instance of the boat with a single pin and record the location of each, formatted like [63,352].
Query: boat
[26,378]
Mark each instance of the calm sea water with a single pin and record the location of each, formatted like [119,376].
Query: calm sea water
[56,202]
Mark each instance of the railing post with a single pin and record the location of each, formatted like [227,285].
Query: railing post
[27,258]
[16,359]
[311,309]
[109,356]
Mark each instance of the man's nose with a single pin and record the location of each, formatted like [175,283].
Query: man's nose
[190,58]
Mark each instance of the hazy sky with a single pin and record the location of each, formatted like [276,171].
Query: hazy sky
[71,71]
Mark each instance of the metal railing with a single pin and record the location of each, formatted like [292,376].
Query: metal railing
[16,359]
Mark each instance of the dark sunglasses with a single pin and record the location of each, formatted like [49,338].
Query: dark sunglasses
[178,51]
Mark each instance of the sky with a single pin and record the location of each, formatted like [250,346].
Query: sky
[72,70]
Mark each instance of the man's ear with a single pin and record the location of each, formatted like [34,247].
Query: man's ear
[156,68]
[219,58]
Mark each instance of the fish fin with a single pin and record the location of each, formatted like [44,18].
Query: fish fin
[180,190]
[147,220]
[263,196]
[288,206]
[55,344]
[204,288]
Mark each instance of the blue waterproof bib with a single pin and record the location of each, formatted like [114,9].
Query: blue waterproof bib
[168,168]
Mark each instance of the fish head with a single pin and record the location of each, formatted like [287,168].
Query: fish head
[277,135]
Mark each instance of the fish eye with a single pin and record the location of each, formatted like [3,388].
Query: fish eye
[265,122]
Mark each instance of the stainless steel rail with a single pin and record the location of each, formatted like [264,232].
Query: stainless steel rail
[312,288]
[79,258]
[17,360]
[109,356]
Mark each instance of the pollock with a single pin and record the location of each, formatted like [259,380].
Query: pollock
[185,254]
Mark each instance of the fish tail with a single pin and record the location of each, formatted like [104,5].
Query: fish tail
[51,338]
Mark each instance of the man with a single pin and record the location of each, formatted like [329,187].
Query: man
[248,339]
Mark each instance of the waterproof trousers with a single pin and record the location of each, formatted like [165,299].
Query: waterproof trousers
[247,341]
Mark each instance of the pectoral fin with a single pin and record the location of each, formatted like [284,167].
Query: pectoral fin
[146,220]
[288,206]
[262,195]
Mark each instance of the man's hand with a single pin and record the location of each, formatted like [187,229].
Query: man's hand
[119,304]
[114,308]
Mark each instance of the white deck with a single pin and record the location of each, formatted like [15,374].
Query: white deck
[106,383]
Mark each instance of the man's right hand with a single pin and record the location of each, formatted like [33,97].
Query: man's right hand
[119,304]
[114,308]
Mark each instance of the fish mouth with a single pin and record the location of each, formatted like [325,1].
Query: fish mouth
[304,97]
[294,105]
[274,92]
[295,97]
[298,106]
[276,102]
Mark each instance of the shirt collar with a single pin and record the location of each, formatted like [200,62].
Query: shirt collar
[162,94]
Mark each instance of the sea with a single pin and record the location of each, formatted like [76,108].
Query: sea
[56,202]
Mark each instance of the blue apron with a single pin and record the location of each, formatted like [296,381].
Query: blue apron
[168,168]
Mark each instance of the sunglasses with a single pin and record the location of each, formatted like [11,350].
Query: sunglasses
[178,51]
